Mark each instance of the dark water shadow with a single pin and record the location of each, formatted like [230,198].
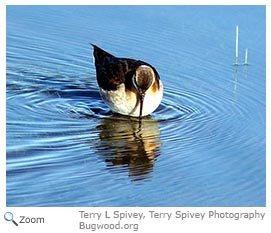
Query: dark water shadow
[125,145]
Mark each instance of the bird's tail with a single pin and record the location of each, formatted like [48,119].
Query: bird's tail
[101,56]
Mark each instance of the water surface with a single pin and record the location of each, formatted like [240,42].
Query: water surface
[203,146]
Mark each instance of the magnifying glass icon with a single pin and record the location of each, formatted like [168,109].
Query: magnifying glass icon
[9,217]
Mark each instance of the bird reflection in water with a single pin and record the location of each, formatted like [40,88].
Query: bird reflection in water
[127,144]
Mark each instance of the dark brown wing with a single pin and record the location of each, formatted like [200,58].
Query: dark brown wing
[112,71]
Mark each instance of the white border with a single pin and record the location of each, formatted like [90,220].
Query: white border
[66,219]
[268,105]
[138,2]
[3,105]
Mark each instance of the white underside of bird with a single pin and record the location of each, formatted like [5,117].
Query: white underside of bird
[127,103]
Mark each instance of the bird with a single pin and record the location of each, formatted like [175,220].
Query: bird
[128,86]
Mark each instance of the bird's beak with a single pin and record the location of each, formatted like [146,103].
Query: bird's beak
[141,95]
[141,98]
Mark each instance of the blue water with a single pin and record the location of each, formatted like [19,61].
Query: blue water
[204,145]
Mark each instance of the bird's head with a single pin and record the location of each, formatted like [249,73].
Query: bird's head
[143,79]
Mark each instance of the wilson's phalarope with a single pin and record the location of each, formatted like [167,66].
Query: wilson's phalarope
[129,87]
